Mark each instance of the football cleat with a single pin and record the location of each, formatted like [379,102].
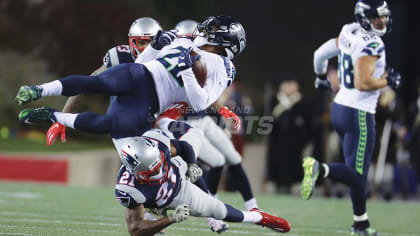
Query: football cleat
[274,223]
[27,94]
[367,232]
[310,175]
[37,115]
[218,226]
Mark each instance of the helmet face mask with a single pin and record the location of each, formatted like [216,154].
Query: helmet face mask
[222,31]
[144,160]
[141,33]
[373,12]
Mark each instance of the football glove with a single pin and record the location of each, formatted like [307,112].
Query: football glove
[228,114]
[162,39]
[53,132]
[194,172]
[322,83]
[394,78]
[185,60]
[27,94]
[181,213]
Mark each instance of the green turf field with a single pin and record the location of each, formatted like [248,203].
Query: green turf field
[33,209]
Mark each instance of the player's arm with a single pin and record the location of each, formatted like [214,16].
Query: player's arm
[363,74]
[227,114]
[326,51]
[137,225]
[321,56]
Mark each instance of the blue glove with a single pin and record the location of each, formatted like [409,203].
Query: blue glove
[185,60]
[394,78]
[162,39]
[322,83]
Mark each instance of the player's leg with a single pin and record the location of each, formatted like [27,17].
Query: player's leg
[202,204]
[116,80]
[222,143]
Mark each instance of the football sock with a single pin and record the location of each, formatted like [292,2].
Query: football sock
[213,178]
[233,214]
[66,119]
[251,217]
[364,224]
[324,170]
[241,180]
[251,203]
[53,88]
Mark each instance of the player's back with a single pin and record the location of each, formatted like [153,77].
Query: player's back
[353,42]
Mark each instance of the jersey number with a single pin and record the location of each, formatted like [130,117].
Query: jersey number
[165,191]
[345,69]
[170,62]
[127,179]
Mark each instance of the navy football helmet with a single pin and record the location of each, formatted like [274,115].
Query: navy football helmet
[366,9]
[221,31]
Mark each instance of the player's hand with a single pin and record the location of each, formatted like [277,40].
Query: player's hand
[394,78]
[228,114]
[53,132]
[194,172]
[322,83]
[162,39]
[185,60]
[181,213]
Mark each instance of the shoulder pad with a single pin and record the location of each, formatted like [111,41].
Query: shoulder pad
[118,55]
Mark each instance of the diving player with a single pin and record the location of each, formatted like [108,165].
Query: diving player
[361,56]
[150,178]
[143,89]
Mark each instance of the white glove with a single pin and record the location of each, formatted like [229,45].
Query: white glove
[181,213]
[194,172]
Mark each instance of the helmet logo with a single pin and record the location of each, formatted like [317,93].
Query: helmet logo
[131,160]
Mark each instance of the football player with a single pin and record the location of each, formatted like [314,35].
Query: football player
[150,178]
[140,34]
[216,148]
[142,89]
[361,56]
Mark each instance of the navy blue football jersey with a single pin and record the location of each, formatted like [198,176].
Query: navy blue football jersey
[131,193]
[118,55]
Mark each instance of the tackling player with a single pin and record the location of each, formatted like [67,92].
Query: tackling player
[361,56]
[150,178]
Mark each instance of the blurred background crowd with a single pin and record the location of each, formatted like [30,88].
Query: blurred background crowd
[41,40]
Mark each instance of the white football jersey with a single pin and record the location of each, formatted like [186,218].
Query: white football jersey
[353,42]
[169,84]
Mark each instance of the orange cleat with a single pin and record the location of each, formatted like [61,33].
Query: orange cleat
[274,223]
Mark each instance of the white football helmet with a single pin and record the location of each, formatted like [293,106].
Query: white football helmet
[186,28]
[143,159]
[141,33]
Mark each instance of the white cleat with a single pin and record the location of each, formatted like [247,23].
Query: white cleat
[218,226]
